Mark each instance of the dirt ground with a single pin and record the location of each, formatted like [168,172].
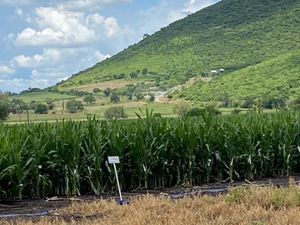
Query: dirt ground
[35,209]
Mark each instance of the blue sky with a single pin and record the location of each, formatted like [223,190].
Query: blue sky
[45,41]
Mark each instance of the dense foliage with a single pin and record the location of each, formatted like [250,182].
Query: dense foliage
[276,78]
[68,158]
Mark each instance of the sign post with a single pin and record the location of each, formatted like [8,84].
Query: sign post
[116,160]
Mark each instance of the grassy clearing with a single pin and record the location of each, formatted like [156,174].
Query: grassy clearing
[43,97]
[112,84]
[97,110]
[259,206]
[68,158]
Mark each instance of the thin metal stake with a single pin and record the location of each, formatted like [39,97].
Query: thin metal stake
[118,183]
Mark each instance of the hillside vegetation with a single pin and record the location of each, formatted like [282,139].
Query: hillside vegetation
[278,77]
[232,35]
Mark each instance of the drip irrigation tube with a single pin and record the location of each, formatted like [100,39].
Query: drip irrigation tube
[13,215]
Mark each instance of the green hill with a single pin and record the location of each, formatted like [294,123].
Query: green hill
[232,34]
[278,77]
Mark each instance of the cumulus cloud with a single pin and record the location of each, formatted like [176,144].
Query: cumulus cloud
[5,70]
[52,57]
[109,25]
[56,64]
[57,27]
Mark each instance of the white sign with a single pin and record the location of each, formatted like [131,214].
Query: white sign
[116,160]
[113,159]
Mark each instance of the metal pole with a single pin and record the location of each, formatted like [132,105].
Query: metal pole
[119,189]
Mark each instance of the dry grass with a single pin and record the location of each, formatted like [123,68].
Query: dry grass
[242,206]
[113,84]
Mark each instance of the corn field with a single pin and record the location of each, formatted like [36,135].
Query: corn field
[70,158]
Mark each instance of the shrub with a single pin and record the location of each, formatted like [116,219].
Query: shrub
[17,106]
[133,75]
[271,102]
[41,109]
[119,76]
[157,115]
[144,71]
[295,104]
[107,92]
[96,90]
[50,104]
[194,112]
[236,111]
[114,98]
[248,103]
[90,99]
[139,96]
[181,109]
[74,106]
[152,98]
[115,113]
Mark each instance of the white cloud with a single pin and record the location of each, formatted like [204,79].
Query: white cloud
[5,70]
[53,57]
[56,64]
[70,4]
[58,27]
[88,4]
[109,25]
[193,6]
[19,84]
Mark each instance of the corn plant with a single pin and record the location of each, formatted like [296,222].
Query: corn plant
[70,158]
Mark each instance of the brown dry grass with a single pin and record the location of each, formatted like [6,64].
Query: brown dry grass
[256,206]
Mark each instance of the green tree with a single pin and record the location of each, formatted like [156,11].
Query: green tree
[41,109]
[90,99]
[50,104]
[107,92]
[17,106]
[74,106]
[152,98]
[4,110]
[144,71]
[114,98]
[139,96]
[133,75]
